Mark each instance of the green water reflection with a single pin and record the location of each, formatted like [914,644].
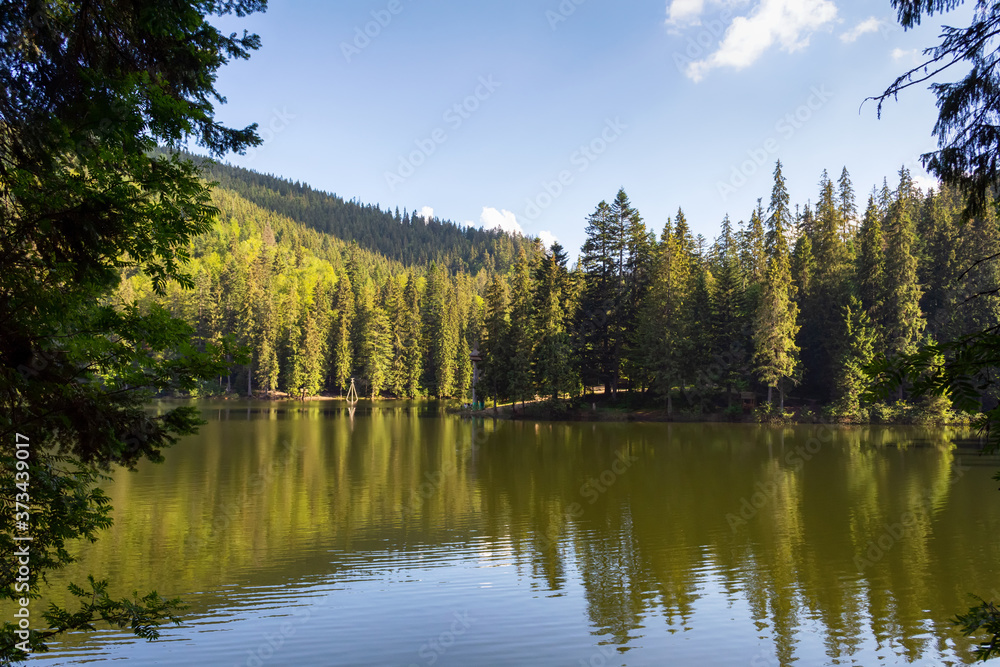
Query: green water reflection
[841,543]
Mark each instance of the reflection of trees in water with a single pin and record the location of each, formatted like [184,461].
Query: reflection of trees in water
[791,559]
[291,495]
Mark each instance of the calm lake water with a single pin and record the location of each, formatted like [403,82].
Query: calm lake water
[400,535]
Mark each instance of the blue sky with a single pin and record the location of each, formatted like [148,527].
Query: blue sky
[527,113]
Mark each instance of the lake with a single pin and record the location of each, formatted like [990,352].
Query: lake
[307,534]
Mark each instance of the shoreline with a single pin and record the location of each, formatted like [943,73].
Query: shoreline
[600,411]
[543,411]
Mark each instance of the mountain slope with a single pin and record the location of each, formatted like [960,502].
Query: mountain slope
[405,238]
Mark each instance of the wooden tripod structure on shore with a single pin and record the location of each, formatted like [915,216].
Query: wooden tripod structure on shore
[352,393]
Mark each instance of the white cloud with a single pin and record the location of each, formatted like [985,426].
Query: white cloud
[504,220]
[925,182]
[427,213]
[868,25]
[787,22]
[548,238]
[684,11]
[906,54]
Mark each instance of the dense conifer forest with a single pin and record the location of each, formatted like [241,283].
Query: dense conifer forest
[789,303]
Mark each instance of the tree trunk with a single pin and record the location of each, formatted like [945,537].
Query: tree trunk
[769,390]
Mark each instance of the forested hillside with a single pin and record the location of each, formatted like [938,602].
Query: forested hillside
[313,310]
[403,237]
[788,302]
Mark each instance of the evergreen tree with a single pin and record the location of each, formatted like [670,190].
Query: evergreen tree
[803,269]
[636,278]
[552,358]
[290,338]
[595,339]
[822,308]
[776,326]
[664,325]
[310,361]
[440,335]
[871,266]
[521,334]
[396,310]
[938,268]
[904,323]
[846,206]
[375,343]
[342,362]
[729,325]
[857,349]
[779,220]
[265,338]
[698,365]
[753,251]
[89,90]
[412,350]
[494,342]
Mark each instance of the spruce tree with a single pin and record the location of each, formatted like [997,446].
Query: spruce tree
[729,328]
[904,321]
[341,346]
[664,329]
[265,339]
[396,310]
[856,350]
[803,269]
[494,342]
[412,340]
[463,362]
[776,322]
[375,343]
[829,288]
[846,207]
[871,270]
[598,306]
[440,332]
[752,250]
[521,334]
[635,280]
[552,363]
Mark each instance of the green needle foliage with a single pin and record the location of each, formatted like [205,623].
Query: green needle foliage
[87,92]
